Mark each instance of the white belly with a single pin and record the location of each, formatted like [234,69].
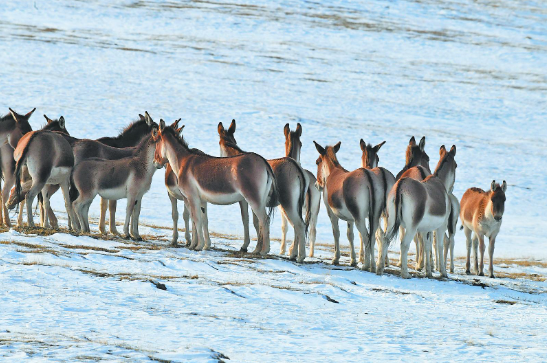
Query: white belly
[114,193]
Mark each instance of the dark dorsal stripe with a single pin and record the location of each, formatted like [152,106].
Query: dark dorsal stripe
[422,172]
[384,183]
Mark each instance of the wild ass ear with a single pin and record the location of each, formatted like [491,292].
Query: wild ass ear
[298,129]
[141,117]
[453,150]
[493,185]
[175,124]
[504,186]
[320,149]
[220,128]
[30,113]
[179,130]
[422,143]
[377,147]
[442,151]
[14,114]
[154,133]
[412,141]
[62,122]
[162,125]
[147,118]
[337,146]
[232,127]
[286,130]
[363,145]
[48,119]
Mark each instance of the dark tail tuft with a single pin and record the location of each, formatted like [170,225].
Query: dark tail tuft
[461,227]
[392,233]
[73,192]
[308,208]
[450,224]
[372,233]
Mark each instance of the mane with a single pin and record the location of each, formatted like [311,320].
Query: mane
[180,140]
[331,155]
[6,117]
[477,190]
[441,163]
[54,125]
[234,146]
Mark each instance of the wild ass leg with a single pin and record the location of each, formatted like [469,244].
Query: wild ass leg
[350,235]
[468,245]
[256,224]
[9,182]
[402,234]
[112,204]
[284,229]
[47,212]
[482,248]
[298,247]
[175,216]
[186,217]
[427,241]
[476,252]
[491,245]
[102,219]
[372,242]
[405,244]
[29,199]
[445,252]
[129,211]
[315,205]
[205,223]
[439,244]
[197,216]
[365,237]
[382,252]
[451,241]
[20,216]
[135,221]
[72,218]
[44,208]
[244,207]
[336,235]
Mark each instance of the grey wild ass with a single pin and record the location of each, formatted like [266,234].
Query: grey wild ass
[481,214]
[292,186]
[129,177]
[383,181]
[44,171]
[293,147]
[206,179]
[423,206]
[12,127]
[349,196]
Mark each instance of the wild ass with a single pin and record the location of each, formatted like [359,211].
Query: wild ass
[206,179]
[44,171]
[383,181]
[349,196]
[26,183]
[12,127]
[293,147]
[422,206]
[129,177]
[292,186]
[481,213]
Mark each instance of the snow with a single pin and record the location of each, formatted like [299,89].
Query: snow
[460,72]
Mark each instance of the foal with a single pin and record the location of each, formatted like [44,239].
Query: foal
[292,186]
[348,196]
[128,177]
[481,213]
[206,179]
[423,206]
[293,147]
[383,181]
[12,127]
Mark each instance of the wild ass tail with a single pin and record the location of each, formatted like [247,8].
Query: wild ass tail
[19,165]
[273,200]
[393,210]
[304,191]
[73,192]
[371,206]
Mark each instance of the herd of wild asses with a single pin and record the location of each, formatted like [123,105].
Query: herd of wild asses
[417,204]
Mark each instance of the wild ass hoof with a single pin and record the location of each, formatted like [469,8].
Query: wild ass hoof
[126,236]
[467,272]
[300,259]
[335,262]
[174,245]
[492,276]
[263,253]
[136,238]
[405,275]
[429,275]
[353,263]
[379,271]
[480,274]
[243,249]
[451,270]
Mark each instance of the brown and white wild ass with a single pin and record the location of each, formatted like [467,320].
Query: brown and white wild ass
[293,148]
[129,177]
[44,171]
[12,127]
[292,186]
[349,196]
[206,179]
[423,206]
[383,181]
[481,214]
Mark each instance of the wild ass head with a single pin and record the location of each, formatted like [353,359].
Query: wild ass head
[326,161]
[370,158]
[497,198]
[55,125]
[293,145]
[227,139]
[13,126]
[446,168]
[415,155]
[158,137]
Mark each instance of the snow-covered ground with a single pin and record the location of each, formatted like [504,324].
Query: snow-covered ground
[460,72]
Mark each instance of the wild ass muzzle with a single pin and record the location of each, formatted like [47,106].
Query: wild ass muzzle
[49,160]
[128,177]
[206,179]
[382,180]
[292,186]
[348,196]
[12,127]
[293,147]
[424,207]
[481,214]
